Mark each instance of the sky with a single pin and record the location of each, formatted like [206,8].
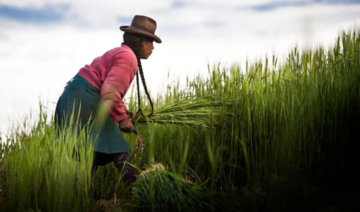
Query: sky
[44,43]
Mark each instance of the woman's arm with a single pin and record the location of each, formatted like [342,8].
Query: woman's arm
[115,86]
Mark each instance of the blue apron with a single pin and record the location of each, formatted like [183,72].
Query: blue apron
[81,99]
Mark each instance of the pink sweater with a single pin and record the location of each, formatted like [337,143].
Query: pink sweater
[112,73]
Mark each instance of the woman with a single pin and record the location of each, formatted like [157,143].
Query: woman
[106,81]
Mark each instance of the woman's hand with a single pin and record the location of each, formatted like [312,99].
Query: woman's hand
[126,125]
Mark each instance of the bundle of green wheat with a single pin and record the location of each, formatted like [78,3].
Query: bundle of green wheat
[157,189]
[198,112]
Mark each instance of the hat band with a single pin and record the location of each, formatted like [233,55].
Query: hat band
[142,28]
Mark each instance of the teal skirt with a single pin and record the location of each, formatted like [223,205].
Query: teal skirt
[81,100]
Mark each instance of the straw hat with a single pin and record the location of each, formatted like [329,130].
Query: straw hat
[142,25]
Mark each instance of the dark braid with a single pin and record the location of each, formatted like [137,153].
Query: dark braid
[134,42]
[145,87]
[138,91]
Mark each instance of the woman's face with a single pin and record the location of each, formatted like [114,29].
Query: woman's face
[146,49]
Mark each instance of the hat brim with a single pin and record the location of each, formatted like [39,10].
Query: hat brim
[131,29]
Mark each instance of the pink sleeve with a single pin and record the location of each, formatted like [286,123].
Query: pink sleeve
[116,84]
